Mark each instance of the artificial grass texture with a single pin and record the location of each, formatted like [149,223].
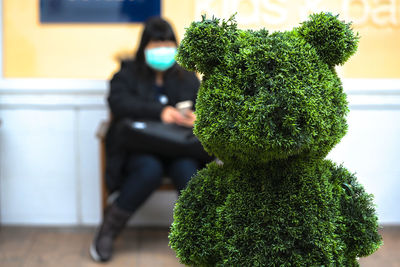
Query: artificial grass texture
[271,107]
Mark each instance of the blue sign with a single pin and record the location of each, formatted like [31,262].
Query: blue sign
[98,11]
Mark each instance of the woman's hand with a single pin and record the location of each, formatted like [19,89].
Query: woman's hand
[172,115]
[189,119]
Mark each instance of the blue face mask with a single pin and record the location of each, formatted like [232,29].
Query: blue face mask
[160,58]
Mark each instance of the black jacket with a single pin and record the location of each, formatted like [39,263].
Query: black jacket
[132,96]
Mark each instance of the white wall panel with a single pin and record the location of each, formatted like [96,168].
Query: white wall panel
[37,167]
[49,155]
[89,165]
[371,149]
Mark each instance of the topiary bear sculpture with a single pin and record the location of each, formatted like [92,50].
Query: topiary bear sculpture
[271,107]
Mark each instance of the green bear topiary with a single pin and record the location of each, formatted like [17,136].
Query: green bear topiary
[271,107]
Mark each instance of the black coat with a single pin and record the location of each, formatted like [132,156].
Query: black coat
[132,96]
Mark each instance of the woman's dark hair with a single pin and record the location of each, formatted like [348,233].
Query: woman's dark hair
[155,29]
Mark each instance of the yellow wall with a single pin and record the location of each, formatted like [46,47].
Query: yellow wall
[88,51]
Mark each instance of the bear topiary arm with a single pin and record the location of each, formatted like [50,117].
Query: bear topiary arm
[195,233]
[333,39]
[359,215]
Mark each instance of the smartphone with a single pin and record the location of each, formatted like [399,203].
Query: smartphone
[184,106]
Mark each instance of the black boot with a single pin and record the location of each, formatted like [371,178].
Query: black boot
[114,221]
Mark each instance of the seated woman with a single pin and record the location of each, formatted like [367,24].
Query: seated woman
[147,87]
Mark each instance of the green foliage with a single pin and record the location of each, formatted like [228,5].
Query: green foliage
[297,212]
[271,107]
[205,43]
[333,39]
[264,93]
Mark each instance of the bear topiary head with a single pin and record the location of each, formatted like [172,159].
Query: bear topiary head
[267,96]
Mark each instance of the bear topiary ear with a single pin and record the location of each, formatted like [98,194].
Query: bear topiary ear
[205,44]
[333,39]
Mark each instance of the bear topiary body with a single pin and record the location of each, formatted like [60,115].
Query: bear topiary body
[271,107]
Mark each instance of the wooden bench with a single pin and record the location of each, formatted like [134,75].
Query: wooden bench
[100,134]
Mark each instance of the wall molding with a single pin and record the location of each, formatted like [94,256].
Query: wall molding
[52,86]
[91,94]
[49,101]
[371,86]
[53,93]
[88,86]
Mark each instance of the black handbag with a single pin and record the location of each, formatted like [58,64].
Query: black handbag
[158,138]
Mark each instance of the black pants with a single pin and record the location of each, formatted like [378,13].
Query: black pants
[144,175]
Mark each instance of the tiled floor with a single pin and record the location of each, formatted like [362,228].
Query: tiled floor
[58,247]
